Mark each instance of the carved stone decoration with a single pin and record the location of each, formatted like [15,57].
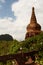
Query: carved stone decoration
[33,28]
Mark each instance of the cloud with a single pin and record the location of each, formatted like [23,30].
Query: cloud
[8,26]
[3,1]
[22,9]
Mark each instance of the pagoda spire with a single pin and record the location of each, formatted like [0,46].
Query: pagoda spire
[33,17]
[33,28]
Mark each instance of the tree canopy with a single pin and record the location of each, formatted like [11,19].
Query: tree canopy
[6,37]
[30,44]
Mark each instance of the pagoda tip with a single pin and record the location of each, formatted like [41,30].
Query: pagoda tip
[33,8]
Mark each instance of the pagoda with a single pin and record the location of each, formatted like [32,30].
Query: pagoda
[33,28]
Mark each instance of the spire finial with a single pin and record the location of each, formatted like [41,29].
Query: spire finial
[33,17]
[32,8]
[33,11]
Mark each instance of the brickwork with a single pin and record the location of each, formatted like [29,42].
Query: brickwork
[33,28]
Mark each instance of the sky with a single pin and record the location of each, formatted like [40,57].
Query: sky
[15,16]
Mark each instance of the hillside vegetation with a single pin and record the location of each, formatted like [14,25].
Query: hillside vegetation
[30,44]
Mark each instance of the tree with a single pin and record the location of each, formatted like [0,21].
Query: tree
[6,37]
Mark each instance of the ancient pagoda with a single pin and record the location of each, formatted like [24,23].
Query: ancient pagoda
[33,28]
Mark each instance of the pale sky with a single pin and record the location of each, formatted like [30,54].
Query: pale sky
[15,16]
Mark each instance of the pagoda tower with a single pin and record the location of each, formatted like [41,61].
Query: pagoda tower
[33,28]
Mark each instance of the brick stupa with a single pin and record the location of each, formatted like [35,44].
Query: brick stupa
[33,28]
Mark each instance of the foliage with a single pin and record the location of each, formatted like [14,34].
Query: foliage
[30,44]
[1,63]
[8,47]
[6,37]
[9,62]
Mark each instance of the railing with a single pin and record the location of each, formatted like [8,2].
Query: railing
[18,57]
